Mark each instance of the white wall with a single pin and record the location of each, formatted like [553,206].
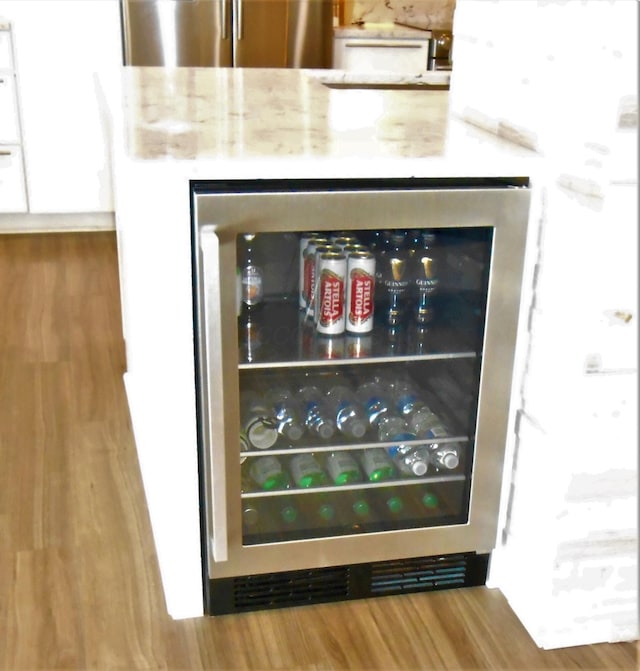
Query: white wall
[548,74]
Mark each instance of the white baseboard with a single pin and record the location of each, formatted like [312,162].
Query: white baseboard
[58,222]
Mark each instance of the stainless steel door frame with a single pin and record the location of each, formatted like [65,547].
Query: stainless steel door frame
[226,216]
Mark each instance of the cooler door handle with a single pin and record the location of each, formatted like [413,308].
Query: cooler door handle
[214,412]
[223,19]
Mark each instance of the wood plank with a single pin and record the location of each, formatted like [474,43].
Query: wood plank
[79,581]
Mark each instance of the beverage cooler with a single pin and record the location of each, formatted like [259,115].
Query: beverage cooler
[354,352]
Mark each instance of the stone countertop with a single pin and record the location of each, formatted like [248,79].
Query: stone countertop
[287,123]
[381,30]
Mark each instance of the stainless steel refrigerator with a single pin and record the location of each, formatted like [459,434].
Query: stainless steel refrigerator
[227,33]
[353,399]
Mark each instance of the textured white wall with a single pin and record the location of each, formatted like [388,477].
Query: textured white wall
[561,78]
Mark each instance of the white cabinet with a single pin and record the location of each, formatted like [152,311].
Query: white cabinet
[369,51]
[64,49]
[13,196]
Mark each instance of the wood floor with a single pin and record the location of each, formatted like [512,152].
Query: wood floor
[79,583]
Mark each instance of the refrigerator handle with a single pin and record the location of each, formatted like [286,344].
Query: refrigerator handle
[223,19]
[239,20]
[210,247]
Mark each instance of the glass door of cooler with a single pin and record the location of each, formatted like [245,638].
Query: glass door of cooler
[358,400]
[362,342]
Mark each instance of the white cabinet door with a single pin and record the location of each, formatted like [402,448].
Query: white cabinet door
[398,56]
[13,197]
[9,126]
[62,49]
[6,61]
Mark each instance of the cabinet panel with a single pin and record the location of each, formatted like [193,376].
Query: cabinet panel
[9,126]
[12,190]
[6,60]
[63,51]
[381,55]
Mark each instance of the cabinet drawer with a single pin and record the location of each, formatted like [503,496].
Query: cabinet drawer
[381,55]
[13,197]
[9,126]
[6,60]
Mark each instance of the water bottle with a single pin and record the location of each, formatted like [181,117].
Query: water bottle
[377,465]
[342,468]
[356,510]
[316,414]
[417,413]
[410,459]
[351,419]
[258,423]
[306,471]
[267,473]
[373,398]
[287,413]
[444,456]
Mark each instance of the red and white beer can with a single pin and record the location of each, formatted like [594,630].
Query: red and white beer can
[361,269]
[309,280]
[305,238]
[330,293]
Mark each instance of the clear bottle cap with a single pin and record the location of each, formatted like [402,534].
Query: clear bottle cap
[419,468]
[450,460]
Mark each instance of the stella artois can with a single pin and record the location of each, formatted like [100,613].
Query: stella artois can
[361,270]
[330,292]
[344,240]
[307,257]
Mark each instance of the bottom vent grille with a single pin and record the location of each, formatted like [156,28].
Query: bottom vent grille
[291,588]
[418,575]
[340,583]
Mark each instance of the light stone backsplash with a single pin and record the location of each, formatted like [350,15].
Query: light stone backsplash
[433,14]
[561,79]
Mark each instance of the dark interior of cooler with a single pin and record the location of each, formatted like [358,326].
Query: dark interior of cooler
[441,359]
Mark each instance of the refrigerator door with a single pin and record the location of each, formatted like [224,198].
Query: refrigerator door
[173,33]
[260,33]
[288,483]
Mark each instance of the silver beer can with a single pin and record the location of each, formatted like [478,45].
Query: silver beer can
[318,250]
[361,269]
[344,240]
[330,293]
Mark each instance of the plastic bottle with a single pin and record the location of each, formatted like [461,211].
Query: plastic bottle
[351,419]
[390,501]
[395,279]
[317,416]
[408,403]
[251,276]
[444,456]
[319,510]
[373,398]
[306,471]
[258,423]
[355,510]
[377,464]
[267,473]
[287,412]
[409,459]
[342,468]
